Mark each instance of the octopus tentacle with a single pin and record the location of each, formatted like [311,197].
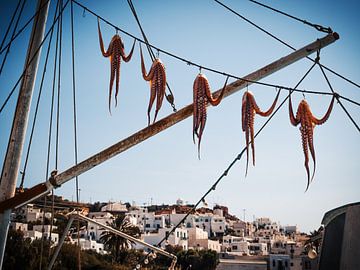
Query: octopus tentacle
[152,99]
[270,110]
[147,77]
[195,107]
[117,64]
[294,121]
[160,85]
[247,124]
[112,77]
[104,53]
[304,137]
[326,116]
[214,101]
[128,57]
[312,151]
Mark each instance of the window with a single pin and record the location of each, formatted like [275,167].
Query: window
[286,264]
[206,220]
[291,264]
[274,263]
[234,247]
[220,228]
[147,225]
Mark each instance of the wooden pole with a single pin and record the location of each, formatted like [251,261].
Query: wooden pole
[12,160]
[160,125]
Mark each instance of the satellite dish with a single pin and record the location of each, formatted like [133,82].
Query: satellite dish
[312,254]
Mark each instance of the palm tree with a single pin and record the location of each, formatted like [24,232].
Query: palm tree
[115,243]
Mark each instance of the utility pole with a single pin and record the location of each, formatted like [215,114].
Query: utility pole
[10,170]
[140,136]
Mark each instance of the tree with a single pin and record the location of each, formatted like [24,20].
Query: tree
[115,243]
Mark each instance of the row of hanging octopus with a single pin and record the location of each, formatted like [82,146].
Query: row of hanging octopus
[202,96]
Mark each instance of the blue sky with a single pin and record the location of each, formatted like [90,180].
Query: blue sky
[166,166]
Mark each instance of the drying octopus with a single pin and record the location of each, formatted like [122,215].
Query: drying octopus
[115,51]
[248,110]
[307,122]
[157,79]
[202,95]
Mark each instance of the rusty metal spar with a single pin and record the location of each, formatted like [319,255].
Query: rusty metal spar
[57,180]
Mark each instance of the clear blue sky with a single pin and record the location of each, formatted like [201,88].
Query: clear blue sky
[166,166]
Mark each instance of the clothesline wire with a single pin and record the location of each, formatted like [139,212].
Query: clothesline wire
[316,26]
[286,44]
[32,58]
[14,31]
[237,158]
[22,29]
[10,23]
[188,62]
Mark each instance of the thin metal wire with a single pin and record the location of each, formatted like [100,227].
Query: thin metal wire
[338,100]
[15,27]
[32,58]
[191,63]
[316,26]
[75,129]
[9,26]
[50,125]
[22,29]
[37,107]
[169,98]
[286,44]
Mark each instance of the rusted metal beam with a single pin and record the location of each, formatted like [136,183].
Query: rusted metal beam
[162,124]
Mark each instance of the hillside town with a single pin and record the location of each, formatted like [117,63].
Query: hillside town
[256,245]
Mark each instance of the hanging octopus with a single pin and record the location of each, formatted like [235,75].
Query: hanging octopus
[307,122]
[157,79]
[115,51]
[248,111]
[202,95]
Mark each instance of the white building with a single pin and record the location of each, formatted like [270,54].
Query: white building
[86,244]
[115,207]
[178,238]
[218,225]
[236,244]
[258,249]
[93,231]
[47,229]
[200,244]
[18,226]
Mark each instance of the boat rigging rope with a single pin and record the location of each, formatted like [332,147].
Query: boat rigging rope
[191,63]
[316,26]
[284,43]
[77,190]
[338,100]
[170,97]
[32,58]
[56,54]
[9,26]
[22,29]
[13,34]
